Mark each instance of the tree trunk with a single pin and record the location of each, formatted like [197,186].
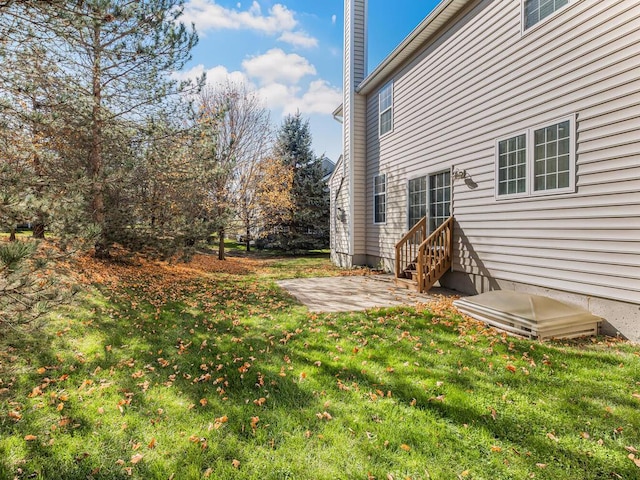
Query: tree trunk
[247,239]
[221,244]
[12,235]
[95,152]
[38,230]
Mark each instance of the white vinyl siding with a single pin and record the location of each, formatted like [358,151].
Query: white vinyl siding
[537,10]
[379,199]
[482,81]
[354,108]
[385,107]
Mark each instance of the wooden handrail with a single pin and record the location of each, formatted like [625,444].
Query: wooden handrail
[407,247]
[434,255]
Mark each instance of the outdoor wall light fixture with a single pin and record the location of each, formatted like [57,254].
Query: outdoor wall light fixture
[459,174]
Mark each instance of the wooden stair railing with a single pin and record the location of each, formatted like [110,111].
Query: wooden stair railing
[407,249]
[434,255]
[432,258]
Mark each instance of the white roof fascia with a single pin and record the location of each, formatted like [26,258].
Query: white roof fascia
[420,35]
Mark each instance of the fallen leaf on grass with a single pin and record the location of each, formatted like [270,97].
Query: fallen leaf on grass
[631,449]
[511,368]
[551,436]
[152,443]
[15,415]
[30,438]
[254,422]
[496,448]
[136,458]
[405,447]
[541,465]
[635,460]
[235,463]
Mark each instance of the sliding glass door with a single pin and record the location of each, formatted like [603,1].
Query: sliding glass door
[439,199]
[430,196]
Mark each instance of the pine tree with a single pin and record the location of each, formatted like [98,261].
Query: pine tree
[308,224]
[113,60]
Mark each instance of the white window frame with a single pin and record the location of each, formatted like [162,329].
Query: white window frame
[380,194]
[530,159]
[383,90]
[497,166]
[426,193]
[523,19]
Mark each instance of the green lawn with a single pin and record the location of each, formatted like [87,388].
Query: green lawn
[211,371]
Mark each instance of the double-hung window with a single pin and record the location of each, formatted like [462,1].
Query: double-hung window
[380,198]
[538,161]
[385,108]
[537,10]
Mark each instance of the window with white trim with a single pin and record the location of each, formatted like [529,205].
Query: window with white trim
[512,165]
[380,198]
[551,158]
[385,108]
[539,161]
[537,10]
[417,205]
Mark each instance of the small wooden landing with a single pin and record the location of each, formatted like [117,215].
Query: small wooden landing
[408,283]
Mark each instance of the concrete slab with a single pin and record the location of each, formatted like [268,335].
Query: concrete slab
[354,293]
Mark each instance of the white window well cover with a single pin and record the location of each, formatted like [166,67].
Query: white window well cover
[529,315]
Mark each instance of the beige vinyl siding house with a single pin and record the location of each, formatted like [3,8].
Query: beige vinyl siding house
[537,130]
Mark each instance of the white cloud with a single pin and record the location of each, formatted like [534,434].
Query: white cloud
[320,97]
[216,75]
[299,39]
[277,96]
[333,19]
[277,66]
[208,15]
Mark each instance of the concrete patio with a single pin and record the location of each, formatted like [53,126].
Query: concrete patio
[353,293]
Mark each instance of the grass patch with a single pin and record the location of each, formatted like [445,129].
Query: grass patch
[208,370]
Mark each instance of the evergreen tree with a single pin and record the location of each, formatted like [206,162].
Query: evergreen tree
[307,226]
[112,64]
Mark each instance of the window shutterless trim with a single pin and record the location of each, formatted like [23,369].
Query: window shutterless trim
[571,188]
[376,195]
[389,109]
[497,166]
[523,20]
[530,161]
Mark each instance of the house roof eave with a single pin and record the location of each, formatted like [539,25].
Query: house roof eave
[420,35]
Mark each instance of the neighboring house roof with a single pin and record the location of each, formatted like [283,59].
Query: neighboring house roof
[335,167]
[426,31]
[327,167]
[337,113]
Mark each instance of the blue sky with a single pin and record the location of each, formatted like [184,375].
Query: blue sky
[290,51]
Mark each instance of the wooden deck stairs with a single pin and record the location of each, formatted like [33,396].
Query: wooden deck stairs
[421,259]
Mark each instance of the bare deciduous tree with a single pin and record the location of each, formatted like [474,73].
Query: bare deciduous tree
[241,139]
